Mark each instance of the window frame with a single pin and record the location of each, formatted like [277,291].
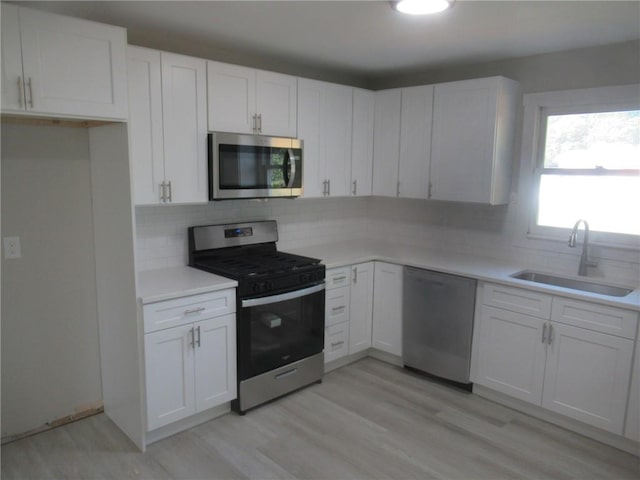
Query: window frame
[537,108]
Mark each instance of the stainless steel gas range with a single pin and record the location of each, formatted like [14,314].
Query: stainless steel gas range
[280,307]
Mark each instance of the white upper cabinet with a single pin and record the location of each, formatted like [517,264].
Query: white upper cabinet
[62,66]
[168,127]
[324,125]
[362,142]
[472,145]
[415,142]
[386,143]
[246,100]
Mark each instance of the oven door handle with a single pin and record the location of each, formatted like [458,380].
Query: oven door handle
[254,302]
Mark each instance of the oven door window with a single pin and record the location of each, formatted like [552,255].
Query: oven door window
[275,334]
[256,167]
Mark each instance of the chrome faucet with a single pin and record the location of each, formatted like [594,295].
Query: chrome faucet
[584,261]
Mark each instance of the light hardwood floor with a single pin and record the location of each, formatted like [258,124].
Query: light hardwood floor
[369,420]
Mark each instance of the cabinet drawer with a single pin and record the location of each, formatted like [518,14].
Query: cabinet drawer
[171,313]
[336,341]
[592,316]
[517,300]
[338,277]
[336,306]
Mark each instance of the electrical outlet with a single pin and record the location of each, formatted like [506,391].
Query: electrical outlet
[12,247]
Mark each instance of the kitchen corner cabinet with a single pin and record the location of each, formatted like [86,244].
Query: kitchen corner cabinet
[325,125]
[472,145]
[361,310]
[190,356]
[362,142]
[246,100]
[387,308]
[61,66]
[386,143]
[167,127]
[568,356]
[402,147]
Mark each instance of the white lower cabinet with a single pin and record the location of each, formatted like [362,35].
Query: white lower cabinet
[336,341]
[632,425]
[548,360]
[361,311]
[387,308]
[191,367]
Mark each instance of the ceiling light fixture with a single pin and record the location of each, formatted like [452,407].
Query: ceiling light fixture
[421,7]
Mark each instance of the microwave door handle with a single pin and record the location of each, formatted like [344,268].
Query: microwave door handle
[290,169]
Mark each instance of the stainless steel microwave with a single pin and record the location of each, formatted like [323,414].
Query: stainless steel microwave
[254,166]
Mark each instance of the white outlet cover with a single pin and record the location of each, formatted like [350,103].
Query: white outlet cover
[12,247]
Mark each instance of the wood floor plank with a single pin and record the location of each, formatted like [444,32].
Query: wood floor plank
[368,420]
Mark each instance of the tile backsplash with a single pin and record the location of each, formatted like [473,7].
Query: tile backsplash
[497,232]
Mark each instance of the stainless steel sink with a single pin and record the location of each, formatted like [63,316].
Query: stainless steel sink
[573,283]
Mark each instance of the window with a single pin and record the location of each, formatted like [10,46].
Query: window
[586,159]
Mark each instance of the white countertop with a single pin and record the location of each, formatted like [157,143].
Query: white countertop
[480,268]
[174,282]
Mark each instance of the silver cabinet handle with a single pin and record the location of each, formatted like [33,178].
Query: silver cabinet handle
[355,187]
[355,274]
[163,196]
[170,191]
[430,186]
[255,120]
[194,310]
[398,189]
[324,187]
[337,344]
[550,339]
[198,330]
[338,309]
[20,92]
[259,123]
[30,85]
[192,343]
[337,279]
[329,187]
[544,333]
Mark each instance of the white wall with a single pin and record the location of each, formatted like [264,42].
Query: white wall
[50,357]
[498,232]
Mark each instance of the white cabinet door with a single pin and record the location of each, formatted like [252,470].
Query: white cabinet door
[73,67]
[632,425]
[473,129]
[169,375]
[338,120]
[587,376]
[215,362]
[12,84]
[362,142]
[146,147]
[510,353]
[311,105]
[184,103]
[415,141]
[387,308]
[232,97]
[361,312]
[386,143]
[276,104]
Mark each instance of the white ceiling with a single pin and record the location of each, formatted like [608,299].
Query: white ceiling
[369,38]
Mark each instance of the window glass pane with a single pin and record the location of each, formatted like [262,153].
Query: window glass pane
[588,140]
[608,203]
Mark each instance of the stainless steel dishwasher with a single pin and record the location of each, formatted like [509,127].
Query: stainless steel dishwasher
[437,323]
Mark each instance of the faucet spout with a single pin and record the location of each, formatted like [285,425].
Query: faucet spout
[584,261]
